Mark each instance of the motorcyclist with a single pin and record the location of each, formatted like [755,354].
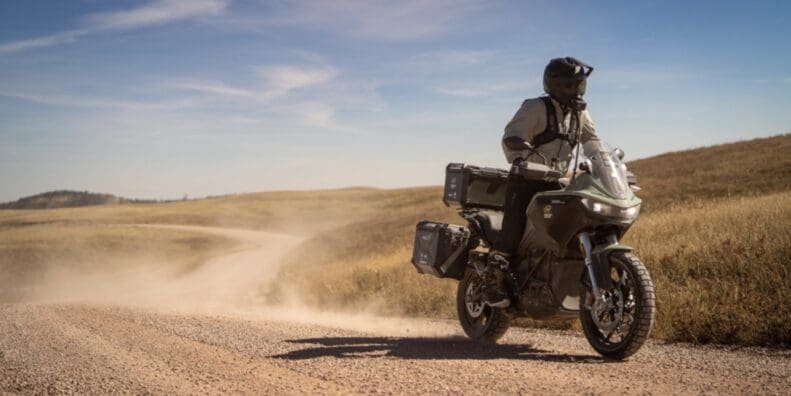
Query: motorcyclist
[553,125]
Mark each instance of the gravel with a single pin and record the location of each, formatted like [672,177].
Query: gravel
[91,348]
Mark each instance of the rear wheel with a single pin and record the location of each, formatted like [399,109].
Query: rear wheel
[620,326]
[479,321]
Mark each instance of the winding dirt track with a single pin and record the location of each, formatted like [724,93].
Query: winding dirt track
[225,341]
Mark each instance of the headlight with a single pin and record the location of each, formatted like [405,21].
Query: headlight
[611,211]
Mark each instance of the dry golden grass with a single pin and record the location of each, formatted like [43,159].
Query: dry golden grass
[714,235]
[296,212]
[749,168]
[717,247]
[721,271]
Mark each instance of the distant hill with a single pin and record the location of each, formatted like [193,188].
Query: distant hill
[67,199]
[746,168]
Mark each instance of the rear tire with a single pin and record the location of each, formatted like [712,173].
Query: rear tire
[636,315]
[479,321]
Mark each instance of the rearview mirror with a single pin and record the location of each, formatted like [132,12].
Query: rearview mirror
[619,153]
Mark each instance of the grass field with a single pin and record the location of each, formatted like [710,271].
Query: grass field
[721,272]
[714,234]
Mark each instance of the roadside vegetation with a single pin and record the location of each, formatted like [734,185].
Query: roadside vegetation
[713,234]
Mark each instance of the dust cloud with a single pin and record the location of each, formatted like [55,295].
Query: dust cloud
[233,284]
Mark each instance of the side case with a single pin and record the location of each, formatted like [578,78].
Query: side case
[474,186]
[455,193]
[440,249]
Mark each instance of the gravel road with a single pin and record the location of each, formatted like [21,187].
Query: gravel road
[88,349]
[105,347]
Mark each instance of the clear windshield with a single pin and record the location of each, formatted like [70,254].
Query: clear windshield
[607,169]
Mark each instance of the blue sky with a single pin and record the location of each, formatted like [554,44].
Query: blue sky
[162,98]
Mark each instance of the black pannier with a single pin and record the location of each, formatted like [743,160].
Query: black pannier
[474,186]
[440,249]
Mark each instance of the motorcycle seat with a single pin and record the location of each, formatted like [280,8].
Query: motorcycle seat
[491,223]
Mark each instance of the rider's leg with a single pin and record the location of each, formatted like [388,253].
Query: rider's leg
[519,193]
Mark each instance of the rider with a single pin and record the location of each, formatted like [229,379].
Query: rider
[553,125]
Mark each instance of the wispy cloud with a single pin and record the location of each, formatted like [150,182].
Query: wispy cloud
[158,12]
[317,114]
[214,88]
[277,89]
[642,76]
[279,80]
[97,102]
[487,89]
[272,81]
[466,92]
[45,41]
[367,19]
[444,58]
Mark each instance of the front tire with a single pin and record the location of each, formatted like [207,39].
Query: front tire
[620,329]
[479,321]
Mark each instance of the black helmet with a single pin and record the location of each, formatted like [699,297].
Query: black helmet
[564,81]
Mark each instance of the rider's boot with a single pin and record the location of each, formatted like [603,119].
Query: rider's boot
[494,293]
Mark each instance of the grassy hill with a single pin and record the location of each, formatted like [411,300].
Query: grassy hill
[67,199]
[748,168]
[713,234]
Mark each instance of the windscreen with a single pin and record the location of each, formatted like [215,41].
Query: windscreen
[607,169]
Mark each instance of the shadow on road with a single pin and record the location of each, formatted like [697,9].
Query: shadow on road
[424,348]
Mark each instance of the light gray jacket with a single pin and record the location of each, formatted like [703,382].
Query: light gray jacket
[531,119]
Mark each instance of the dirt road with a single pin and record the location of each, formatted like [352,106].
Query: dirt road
[225,341]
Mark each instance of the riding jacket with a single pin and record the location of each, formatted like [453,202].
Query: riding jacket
[531,120]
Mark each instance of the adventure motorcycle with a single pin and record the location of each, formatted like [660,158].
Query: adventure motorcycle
[571,262]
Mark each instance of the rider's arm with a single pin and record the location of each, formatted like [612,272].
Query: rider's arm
[528,121]
[588,128]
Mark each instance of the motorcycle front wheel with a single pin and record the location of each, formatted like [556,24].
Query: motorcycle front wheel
[479,321]
[618,328]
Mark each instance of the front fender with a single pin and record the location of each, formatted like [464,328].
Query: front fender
[601,263]
[599,249]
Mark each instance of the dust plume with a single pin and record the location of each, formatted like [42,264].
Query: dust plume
[234,283]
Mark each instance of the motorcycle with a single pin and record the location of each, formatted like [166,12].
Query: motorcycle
[571,262]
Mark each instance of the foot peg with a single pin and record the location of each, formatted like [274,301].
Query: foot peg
[493,293]
[504,303]
[494,297]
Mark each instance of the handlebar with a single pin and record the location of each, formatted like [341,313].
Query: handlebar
[516,143]
[535,171]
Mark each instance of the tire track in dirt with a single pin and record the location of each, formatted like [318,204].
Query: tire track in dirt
[88,349]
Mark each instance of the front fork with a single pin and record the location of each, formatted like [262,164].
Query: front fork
[600,299]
